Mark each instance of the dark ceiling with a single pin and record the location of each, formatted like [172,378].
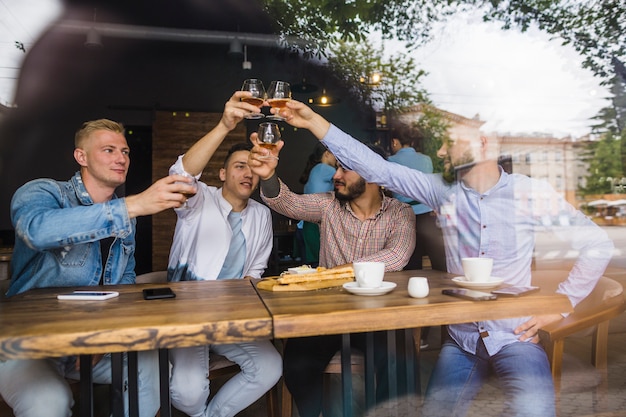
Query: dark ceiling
[216,15]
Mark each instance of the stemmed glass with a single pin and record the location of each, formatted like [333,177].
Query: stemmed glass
[258,96]
[194,184]
[278,94]
[269,135]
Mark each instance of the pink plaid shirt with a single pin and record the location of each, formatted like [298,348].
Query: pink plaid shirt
[388,236]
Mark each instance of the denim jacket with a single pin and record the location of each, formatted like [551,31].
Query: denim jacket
[57,233]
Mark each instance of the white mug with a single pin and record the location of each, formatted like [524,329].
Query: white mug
[418,287]
[477,269]
[369,274]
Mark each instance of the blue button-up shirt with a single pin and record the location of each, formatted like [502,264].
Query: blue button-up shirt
[57,232]
[409,157]
[500,224]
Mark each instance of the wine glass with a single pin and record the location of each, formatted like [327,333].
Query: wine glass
[188,195]
[278,94]
[258,96]
[269,135]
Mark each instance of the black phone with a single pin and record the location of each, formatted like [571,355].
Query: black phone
[515,291]
[157,293]
[469,294]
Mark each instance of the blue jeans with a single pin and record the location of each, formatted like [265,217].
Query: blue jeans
[37,387]
[261,368]
[523,373]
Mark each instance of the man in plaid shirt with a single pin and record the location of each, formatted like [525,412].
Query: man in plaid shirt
[358,223]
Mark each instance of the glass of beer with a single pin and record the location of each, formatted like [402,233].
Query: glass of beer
[258,96]
[278,94]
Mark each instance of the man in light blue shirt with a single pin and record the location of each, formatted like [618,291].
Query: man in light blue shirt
[483,212]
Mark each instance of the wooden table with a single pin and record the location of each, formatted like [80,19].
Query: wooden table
[37,325]
[336,311]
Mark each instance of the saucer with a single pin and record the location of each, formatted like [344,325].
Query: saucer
[462,282]
[384,288]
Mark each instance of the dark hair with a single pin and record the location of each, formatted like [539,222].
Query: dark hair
[406,134]
[241,146]
[314,158]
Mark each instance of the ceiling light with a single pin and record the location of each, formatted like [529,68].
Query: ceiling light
[235,47]
[324,100]
[247,65]
[94,41]
[303,87]
[372,79]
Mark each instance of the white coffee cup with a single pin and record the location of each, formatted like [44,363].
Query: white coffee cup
[369,274]
[418,287]
[477,269]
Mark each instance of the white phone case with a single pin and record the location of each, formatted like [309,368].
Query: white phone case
[88,295]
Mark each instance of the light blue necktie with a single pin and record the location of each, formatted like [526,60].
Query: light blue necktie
[236,257]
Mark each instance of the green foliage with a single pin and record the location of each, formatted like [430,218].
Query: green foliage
[611,120]
[400,85]
[434,128]
[325,22]
[605,164]
[595,28]
[399,89]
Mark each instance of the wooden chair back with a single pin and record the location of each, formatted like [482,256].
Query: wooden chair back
[590,317]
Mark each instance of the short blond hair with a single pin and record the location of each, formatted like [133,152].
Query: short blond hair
[91,126]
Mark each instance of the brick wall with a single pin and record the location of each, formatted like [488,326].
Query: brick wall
[172,134]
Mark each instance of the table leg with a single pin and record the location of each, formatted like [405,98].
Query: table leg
[133,386]
[346,375]
[413,385]
[164,382]
[392,364]
[86,387]
[370,372]
[117,384]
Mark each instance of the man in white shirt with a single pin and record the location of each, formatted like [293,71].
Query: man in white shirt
[222,234]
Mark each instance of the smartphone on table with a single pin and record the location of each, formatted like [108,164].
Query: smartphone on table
[158,293]
[515,291]
[469,294]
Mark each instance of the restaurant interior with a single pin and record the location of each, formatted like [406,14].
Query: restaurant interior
[168,86]
[178,62]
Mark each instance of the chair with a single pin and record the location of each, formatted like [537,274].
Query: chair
[357,367]
[219,366]
[590,317]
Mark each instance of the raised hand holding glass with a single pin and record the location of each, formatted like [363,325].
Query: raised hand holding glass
[268,137]
[188,195]
[278,94]
[255,87]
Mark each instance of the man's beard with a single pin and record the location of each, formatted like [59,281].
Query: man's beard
[352,191]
